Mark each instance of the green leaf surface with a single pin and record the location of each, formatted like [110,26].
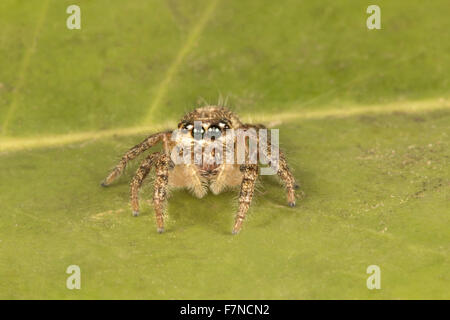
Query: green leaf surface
[364,119]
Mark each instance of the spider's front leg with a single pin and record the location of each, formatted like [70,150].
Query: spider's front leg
[138,178]
[288,179]
[250,174]
[133,153]
[282,168]
[162,167]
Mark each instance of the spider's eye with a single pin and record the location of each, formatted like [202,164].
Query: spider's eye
[223,125]
[187,127]
[214,132]
[198,132]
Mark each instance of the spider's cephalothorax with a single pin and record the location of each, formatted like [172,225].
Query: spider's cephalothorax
[200,128]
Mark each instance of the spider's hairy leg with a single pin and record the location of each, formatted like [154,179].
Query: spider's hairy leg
[288,179]
[162,166]
[139,177]
[133,153]
[283,170]
[250,174]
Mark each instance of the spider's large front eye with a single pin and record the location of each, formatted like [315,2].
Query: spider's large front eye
[198,132]
[214,132]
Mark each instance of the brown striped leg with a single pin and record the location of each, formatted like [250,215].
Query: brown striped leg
[283,170]
[131,154]
[162,167]
[289,181]
[137,180]
[250,174]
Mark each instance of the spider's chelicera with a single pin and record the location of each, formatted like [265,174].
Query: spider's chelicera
[211,149]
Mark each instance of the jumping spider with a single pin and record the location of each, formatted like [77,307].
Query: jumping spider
[198,177]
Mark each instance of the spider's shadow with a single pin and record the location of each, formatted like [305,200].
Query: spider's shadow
[214,211]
